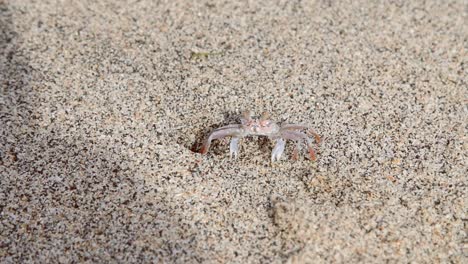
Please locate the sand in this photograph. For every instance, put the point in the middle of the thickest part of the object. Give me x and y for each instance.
(104, 102)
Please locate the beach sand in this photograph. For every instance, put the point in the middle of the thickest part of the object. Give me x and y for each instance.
(103, 105)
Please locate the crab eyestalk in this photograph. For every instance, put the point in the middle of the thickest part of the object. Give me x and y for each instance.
(247, 115)
(264, 116)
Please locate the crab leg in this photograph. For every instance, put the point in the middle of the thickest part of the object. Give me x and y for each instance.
(290, 127)
(296, 151)
(293, 127)
(295, 135)
(317, 137)
(312, 154)
(226, 131)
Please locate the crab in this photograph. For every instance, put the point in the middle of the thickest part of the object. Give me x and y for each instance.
(264, 127)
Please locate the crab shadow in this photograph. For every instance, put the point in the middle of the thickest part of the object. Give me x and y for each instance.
(53, 178)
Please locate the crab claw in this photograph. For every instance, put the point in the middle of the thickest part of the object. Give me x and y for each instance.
(278, 150)
(234, 148)
(222, 132)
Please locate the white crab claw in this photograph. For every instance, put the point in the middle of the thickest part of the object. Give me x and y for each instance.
(234, 148)
(278, 150)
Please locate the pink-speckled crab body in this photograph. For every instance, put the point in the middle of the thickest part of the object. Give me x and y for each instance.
(263, 127)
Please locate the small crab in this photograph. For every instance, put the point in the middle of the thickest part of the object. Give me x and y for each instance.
(263, 127)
